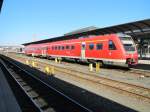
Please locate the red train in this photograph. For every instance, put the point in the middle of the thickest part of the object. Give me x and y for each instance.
(112, 49)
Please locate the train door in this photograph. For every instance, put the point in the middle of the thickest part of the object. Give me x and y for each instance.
(111, 51)
(83, 50)
(44, 51)
(149, 51)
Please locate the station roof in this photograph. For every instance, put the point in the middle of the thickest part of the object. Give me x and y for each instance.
(90, 28)
(1, 2)
(135, 29)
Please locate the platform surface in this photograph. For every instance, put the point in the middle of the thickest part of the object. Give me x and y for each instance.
(8, 101)
(143, 65)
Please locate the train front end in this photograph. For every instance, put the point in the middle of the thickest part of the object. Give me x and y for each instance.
(129, 46)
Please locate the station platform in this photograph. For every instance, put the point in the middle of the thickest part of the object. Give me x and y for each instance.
(143, 64)
(144, 61)
(8, 102)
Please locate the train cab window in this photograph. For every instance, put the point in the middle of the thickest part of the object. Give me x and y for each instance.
(72, 47)
(91, 46)
(111, 45)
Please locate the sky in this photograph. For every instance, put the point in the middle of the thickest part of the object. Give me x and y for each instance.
(24, 21)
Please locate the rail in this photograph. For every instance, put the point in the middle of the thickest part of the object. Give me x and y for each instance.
(43, 96)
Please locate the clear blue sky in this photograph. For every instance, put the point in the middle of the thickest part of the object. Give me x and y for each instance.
(27, 20)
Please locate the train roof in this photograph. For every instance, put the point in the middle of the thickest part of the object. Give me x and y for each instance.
(134, 29)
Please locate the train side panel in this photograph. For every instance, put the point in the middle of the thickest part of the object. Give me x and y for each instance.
(108, 48)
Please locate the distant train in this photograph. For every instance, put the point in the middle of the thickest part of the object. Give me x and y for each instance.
(112, 49)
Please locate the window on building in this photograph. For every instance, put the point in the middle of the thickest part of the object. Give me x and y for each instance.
(99, 46)
(91, 46)
(112, 45)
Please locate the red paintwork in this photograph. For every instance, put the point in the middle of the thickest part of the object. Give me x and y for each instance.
(104, 54)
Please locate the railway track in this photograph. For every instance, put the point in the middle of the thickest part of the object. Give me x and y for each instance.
(130, 89)
(142, 73)
(136, 91)
(133, 90)
(136, 72)
(41, 96)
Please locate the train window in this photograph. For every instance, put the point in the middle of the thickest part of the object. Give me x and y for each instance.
(67, 47)
(112, 45)
(91, 46)
(99, 46)
(52, 47)
(72, 47)
(83, 46)
(59, 47)
(44, 48)
(62, 47)
(55, 47)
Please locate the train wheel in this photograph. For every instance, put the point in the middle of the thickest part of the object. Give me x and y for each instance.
(102, 64)
(77, 60)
